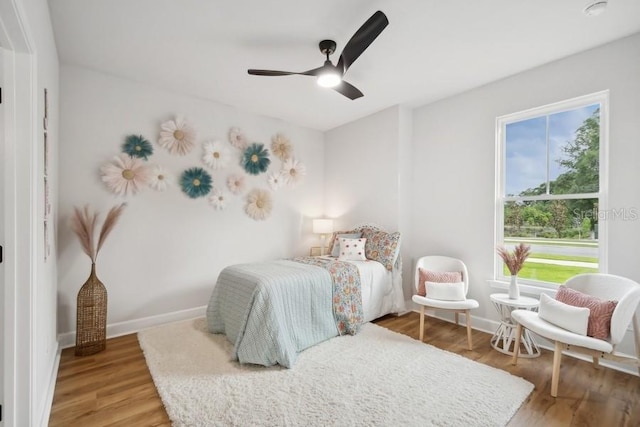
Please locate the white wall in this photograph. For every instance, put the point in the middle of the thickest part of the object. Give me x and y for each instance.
(166, 252)
(366, 163)
(454, 158)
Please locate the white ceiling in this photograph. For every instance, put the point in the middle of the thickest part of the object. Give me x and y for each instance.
(429, 51)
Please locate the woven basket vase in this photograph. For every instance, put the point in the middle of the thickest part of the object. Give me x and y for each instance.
(91, 323)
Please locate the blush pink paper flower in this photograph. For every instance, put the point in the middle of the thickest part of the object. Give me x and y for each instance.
(125, 175)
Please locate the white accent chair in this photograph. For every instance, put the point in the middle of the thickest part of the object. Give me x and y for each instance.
(604, 286)
(444, 264)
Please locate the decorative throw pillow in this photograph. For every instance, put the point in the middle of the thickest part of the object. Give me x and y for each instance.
(599, 325)
(574, 319)
(446, 291)
(352, 249)
(335, 251)
(437, 277)
(335, 243)
(382, 247)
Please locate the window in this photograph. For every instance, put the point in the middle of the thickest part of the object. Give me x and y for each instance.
(551, 188)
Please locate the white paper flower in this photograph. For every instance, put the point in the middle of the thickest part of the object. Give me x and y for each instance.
(177, 136)
(281, 147)
(125, 175)
(218, 199)
(216, 155)
(237, 138)
(258, 204)
(159, 178)
(293, 171)
(236, 184)
(275, 180)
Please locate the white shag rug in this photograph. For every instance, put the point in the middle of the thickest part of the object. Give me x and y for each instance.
(376, 378)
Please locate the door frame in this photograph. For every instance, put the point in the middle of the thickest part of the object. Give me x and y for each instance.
(20, 161)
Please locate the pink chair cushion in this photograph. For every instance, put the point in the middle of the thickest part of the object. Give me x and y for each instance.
(600, 311)
(436, 276)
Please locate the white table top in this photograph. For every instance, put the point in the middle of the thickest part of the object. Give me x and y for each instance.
(522, 302)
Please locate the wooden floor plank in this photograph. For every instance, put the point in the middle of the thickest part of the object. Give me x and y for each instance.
(115, 388)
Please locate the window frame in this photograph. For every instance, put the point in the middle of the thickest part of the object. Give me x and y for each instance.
(601, 98)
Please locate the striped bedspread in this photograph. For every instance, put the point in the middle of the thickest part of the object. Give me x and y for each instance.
(271, 311)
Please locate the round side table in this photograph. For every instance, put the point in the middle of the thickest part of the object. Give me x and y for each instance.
(505, 335)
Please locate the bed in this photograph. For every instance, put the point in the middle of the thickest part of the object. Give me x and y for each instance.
(271, 311)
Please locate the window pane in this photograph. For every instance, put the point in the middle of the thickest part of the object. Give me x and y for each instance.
(561, 151)
(574, 144)
(526, 155)
(563, 235)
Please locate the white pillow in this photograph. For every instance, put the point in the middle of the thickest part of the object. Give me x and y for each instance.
(574, 319)
(352, 249)
(445, 291)
(335, 252)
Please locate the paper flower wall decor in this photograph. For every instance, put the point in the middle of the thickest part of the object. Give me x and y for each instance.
(259, 204)
(237, 138)
(281, 147)
(125, 175)
(256, 159)
(218, 199)
(177, 136)
(275, 180)
(216, 154)
(293, 171)
(137, 146)
(236, 184)
(196, 182)
(159, 178)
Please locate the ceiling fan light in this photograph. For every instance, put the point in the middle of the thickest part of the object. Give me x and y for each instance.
(329, 79)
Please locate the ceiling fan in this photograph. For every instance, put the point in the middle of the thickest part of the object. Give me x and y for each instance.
(330, 75)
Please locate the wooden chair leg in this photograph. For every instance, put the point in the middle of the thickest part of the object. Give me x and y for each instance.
(467, 317)
(555, 375)
(516, 345)
(421, 322)
(636, 335)
(457, 321)
(596, 362)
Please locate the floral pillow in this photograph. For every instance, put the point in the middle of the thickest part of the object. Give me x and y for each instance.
(382, 246)
(351, 249)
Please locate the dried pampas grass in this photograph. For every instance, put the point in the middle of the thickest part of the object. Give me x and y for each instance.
(83, 224)
(514, 260)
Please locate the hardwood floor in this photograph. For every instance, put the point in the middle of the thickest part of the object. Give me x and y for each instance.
(114, 388)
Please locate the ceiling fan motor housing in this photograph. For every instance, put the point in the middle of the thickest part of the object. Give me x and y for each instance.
(327, 47)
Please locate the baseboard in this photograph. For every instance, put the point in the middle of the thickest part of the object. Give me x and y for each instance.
(51, 387)
(68, 339)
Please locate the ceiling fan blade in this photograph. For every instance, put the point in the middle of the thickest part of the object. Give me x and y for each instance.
(348, 90)
(270, 73)
(362, 39)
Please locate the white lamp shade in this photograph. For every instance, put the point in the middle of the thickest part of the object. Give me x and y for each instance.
(323, 226)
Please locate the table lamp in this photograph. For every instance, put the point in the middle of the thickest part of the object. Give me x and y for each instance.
(322, 227)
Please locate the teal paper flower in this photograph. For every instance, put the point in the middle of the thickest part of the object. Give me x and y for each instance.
(196, 182)
(137, 146)
(255, 159)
